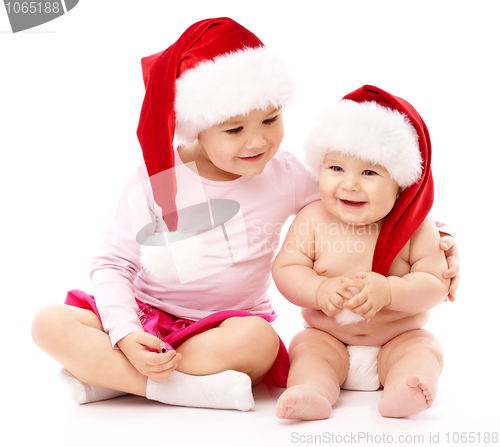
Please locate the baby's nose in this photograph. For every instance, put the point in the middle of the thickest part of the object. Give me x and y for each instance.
(350, 183)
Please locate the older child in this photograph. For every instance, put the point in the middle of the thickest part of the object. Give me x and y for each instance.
(364, 262)
(184, 262)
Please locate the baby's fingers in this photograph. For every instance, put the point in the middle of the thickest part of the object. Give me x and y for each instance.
(355, 283)
(331, 310)
(356, 301)
(366, 310)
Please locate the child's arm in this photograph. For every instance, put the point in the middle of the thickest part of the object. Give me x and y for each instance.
(448, 245)
(293, 270)
(117, 262)
(418, 291)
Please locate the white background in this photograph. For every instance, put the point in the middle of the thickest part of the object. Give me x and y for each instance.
(70, 97)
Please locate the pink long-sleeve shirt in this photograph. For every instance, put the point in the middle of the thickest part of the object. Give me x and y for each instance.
(223, 259)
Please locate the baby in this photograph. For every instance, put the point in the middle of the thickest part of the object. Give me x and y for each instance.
(364, 262)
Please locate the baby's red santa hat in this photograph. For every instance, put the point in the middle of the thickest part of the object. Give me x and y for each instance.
(381, 128)
(217, 69)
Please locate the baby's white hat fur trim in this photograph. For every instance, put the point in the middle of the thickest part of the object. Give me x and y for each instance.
(229, 85)
(371, 132)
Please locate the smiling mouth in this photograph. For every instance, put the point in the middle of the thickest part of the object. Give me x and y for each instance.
(352, 203)
(253, 157)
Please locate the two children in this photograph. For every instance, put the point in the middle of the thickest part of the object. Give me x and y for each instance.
(180, 309)
(363, 262)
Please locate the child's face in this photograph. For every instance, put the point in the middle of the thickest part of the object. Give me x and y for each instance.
(356, 191)
(242, 145)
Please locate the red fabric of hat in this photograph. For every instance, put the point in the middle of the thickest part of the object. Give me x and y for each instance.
(202, 41)
(414, 202)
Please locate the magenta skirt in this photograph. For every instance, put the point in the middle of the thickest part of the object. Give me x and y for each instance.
(174, 331)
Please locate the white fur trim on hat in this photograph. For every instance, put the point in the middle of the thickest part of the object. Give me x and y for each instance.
(232, 84)
(370, 132)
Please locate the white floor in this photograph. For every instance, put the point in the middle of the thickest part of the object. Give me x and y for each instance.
(132, 421)
(41, 412)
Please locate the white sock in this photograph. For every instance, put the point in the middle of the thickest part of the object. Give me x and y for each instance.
(83, 393)
(228, 390)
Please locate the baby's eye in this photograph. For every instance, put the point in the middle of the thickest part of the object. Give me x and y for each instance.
(369, 172)
(336, 169)
(235, 130)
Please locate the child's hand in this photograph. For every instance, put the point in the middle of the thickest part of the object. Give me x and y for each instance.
(331, 296)
(374, 293)
(156, 366)
(447, 244)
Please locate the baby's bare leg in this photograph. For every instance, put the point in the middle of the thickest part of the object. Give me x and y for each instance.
(319, 365)
(409, 368)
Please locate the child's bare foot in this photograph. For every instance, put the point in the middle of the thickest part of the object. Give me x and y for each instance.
(303, 402)
(409, 397)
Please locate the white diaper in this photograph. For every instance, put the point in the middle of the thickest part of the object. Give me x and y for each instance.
(363, 373)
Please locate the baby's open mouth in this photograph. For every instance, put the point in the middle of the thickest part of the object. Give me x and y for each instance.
(353, 203)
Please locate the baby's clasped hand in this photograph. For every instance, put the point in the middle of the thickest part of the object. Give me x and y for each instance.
(375, 294)
(332, 295)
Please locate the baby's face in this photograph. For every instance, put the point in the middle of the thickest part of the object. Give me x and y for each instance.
(243, 145)
(355, 191)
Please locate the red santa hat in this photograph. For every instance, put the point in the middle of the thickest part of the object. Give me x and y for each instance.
(381, 128)
(217, 69)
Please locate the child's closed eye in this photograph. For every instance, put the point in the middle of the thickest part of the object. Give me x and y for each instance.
(236, 130)
(271, 120)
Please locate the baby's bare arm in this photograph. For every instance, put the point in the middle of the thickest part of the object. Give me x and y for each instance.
(424, 287)
(293, 268)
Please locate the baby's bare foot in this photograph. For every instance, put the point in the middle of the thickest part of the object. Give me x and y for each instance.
(409, 397)
(303, 402)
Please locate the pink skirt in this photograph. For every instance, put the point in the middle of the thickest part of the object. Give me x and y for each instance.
(174, 331)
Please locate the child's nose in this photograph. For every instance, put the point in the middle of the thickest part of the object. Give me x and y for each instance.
(255, 140)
